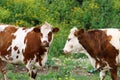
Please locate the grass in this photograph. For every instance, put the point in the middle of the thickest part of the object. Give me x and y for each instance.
(67, 68)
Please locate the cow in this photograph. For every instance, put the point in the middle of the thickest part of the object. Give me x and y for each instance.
(28, 46)
(102, 46)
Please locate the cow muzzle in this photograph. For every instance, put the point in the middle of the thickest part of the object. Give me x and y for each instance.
(64, 51)
(45, 44)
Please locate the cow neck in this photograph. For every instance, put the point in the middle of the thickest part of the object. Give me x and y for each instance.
(98, 46)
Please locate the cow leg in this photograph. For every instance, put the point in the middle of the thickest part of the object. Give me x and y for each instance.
(33, 74)
(113, 72)
(32, 71)
(3, 69)
(102, 74)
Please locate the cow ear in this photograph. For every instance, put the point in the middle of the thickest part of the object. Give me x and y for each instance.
(81, 30)
(78, 32)
(55, 30)
(36, 29)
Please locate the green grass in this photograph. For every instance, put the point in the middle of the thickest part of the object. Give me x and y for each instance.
(65, 71)
(17, 76)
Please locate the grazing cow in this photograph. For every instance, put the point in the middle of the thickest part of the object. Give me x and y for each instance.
(101, 46)
(27, 46)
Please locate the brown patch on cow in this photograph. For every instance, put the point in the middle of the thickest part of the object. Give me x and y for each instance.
(41, 53)
(22, 50)
(15, 48)
(10, 58)
(97, 44)
(109, 37)
(49, 36)
(76, 33)
(6, 38)
(36, 29)
(33, 47)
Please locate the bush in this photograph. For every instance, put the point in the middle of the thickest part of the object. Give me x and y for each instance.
(4, 14)
(62, 13)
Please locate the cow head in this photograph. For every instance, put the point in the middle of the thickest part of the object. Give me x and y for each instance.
(46, 34)
(72, 44)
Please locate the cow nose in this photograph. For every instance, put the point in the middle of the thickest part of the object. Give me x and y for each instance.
(65, 51)
(45, 44)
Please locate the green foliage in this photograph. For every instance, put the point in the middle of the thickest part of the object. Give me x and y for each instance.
(4, 14)
(64, 14)
(93, 13)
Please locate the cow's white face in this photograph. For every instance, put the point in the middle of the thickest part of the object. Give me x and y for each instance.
(72, 44)
(47, 36)
(47, 31)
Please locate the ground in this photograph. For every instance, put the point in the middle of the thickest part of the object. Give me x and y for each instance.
(57, 69)
(77, 70)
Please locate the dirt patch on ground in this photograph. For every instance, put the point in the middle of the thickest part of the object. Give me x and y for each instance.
(58, 66)
(80, 71)
(77, 70)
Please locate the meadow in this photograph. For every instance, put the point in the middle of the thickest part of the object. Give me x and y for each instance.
(65, 14)
(60, 68)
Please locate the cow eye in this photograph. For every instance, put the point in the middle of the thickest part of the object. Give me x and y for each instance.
(71, 46)
(69, 39)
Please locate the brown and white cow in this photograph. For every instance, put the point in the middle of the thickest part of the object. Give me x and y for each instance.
(101, 46)
(27, 46)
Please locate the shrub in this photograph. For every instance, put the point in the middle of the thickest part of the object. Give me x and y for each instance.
(4, 14)
(64, 14)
